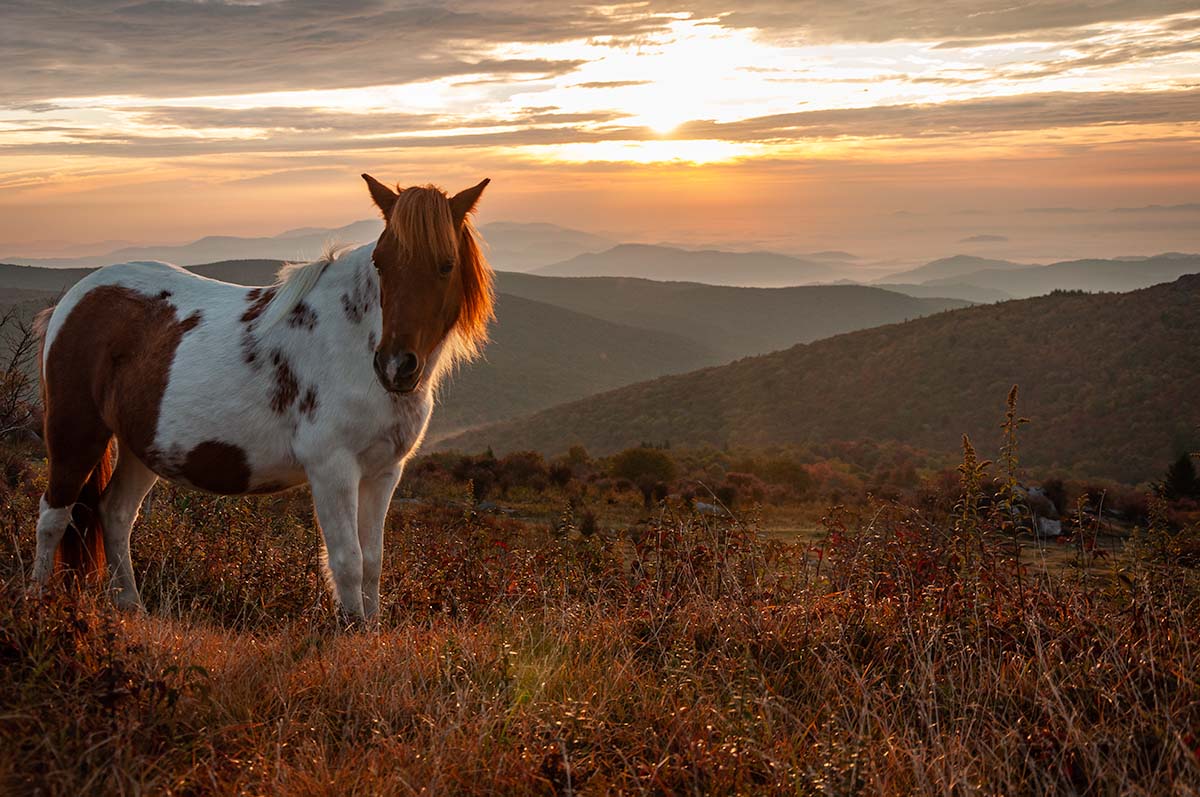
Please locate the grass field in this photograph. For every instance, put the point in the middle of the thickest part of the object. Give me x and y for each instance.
(899, 651)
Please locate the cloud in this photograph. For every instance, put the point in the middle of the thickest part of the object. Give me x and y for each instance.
(983, 239)
(55, 48)
(131, 145)
(611, 84)
(318, 120)
(191, 48)
(1061, 210)
(988, 114)
(1189, 207)
(887, 20)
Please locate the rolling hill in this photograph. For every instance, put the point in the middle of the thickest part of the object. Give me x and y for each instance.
(665, 263)
(948, 290)
(1088, 275)
(1109, 380)
(527, 247)
(541, 355)
(734, 322)
(951, 269)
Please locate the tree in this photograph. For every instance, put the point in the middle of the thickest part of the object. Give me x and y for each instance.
(648, 468)
(18, 389)
(643, 464)
(1180, 480)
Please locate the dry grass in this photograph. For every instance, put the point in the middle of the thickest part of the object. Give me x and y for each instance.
(897, 656)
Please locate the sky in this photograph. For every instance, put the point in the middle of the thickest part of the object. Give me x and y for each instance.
(894, 129)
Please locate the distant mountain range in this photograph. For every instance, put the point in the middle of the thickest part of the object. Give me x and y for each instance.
(665, 263)
(551, 250)
(298, 244)
(518, 247)
(953, 269)
(734, 322)
(1089, 275)
(978, 279)
(527, 247)
(1109, 380)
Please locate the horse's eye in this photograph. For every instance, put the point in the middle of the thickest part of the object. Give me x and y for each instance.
(445, 268)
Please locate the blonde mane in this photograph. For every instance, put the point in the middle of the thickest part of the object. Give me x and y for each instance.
(294, 281)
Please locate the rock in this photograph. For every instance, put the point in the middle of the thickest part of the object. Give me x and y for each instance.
(1048, 528)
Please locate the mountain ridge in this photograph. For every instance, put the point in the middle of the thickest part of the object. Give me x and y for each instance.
(756, 269)
(1106, 399)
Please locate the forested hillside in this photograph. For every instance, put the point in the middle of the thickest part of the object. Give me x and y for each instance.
(1110, 382)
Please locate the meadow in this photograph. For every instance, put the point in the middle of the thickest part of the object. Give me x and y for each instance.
(902, 649)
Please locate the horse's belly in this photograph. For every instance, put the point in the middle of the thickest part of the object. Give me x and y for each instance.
(223, 468)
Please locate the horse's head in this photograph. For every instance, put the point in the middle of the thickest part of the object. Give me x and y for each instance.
(435, 286)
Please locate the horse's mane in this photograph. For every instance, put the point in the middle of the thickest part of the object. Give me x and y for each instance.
(421, 216)
(479, 297)
(294, 281)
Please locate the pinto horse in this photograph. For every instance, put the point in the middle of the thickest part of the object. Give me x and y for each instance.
(325, 378)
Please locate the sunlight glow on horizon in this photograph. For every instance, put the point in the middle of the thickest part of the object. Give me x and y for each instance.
(693, 151)
(695, 70)
(698, 103)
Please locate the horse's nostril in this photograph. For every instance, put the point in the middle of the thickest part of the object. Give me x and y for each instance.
(407, 364)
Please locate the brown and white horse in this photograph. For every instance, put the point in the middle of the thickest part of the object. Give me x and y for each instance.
(325, 378)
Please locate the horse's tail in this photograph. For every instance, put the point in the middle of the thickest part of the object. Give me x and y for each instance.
(82, 550)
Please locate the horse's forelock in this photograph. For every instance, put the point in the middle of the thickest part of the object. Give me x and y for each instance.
(422, 217)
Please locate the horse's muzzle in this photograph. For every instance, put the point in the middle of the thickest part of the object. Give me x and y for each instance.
(399, 373)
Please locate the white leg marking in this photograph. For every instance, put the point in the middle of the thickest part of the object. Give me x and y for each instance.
(334, 485)
(118, 510)
(374, 497)
(52, 525)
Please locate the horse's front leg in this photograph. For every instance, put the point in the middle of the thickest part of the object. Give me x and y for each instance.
(334, 483)
(374, 497)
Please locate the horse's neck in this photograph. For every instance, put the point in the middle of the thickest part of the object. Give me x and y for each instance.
(349, 267)
(350, 285)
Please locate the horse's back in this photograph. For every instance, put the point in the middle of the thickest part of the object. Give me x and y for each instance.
(114, 339)
(139, 282)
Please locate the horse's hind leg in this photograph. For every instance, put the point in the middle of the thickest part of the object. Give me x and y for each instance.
(51, 526)
(75, 446)
(119, 507)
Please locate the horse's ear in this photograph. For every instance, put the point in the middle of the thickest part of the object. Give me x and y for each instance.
(384, 197)
(464, 201)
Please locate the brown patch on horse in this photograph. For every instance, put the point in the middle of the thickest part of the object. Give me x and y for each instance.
(308, 404)
(106, 372)
(360, 299)
(286, 388)
(435, 284)
(259, 298)
(302, 317)
(217, 467)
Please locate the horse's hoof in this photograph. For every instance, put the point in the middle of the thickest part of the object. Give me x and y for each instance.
(132, 606)
(35, 591)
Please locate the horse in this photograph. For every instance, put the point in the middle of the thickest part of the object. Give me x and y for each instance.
(327, 377)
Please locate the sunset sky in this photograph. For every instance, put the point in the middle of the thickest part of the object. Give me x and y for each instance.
(902, 129)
